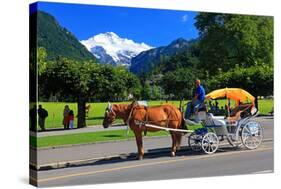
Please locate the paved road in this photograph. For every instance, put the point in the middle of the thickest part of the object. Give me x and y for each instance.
(185, 165)
(160, 166)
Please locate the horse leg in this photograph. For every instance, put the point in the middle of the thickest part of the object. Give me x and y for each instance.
(173, 150)
(138, 136)
(178, 137)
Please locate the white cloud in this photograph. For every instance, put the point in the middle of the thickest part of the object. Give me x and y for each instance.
(184, 18)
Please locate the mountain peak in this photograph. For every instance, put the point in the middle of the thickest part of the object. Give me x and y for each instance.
(180, 40)
(121, 50)
(112, 34)
(148, 59)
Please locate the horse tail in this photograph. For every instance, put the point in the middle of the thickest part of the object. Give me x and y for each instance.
(178, 136)
(182, 125)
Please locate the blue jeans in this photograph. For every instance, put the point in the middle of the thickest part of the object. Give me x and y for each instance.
(191, 108)
(188, 110)
(198, 104)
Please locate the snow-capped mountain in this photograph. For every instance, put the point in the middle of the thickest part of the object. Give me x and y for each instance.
(109, 48)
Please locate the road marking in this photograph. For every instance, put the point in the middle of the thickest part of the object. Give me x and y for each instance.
(144, 164)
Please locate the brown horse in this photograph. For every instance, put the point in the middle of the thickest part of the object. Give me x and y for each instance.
(137, 115)
(115, 111)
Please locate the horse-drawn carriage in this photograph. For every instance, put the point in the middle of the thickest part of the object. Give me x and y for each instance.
(238, 126)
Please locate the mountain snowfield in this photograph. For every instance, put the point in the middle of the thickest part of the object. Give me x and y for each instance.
(110, 48)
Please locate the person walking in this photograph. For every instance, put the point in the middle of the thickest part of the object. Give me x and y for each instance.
(32, 118)
(71, 119)
(65, 120)
(43, 114)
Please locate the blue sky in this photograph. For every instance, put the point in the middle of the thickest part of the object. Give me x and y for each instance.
(154, 27)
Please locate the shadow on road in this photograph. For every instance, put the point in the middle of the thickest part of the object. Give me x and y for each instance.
(151, 154)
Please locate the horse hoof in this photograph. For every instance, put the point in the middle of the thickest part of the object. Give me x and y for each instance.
(139, 157)
(173, 154)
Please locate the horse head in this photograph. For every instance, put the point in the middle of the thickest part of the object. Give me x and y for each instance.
(109, 116)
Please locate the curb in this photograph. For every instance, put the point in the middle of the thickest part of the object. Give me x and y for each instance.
(124, 156)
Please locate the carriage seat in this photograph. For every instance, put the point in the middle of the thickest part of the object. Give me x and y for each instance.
(214, 120)
(241, 108)
(198, 118)
(241, 112)
(235, 117)
(201, 115)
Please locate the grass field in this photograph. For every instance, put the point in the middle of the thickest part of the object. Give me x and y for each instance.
(95, 117)
(96, 113)
(82, 138)
(92, 137)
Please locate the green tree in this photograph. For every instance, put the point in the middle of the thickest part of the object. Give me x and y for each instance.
(41, 59)
(80, 81)
(68, 78)
(228, 39)
(179, 83)
(257, 80)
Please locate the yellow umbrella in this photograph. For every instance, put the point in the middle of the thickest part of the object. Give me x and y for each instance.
(239, 95)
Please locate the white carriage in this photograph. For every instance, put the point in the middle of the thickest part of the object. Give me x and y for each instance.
(238, 127)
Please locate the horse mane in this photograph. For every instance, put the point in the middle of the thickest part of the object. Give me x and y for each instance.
(121, 110)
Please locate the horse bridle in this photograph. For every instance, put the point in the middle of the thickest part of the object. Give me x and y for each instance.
(109, 109)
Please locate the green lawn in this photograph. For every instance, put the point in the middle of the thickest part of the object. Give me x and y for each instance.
(82, 138)
(95, 117)
(55, 109)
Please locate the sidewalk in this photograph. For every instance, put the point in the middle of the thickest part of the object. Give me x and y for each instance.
(55, 132)
(97, 151)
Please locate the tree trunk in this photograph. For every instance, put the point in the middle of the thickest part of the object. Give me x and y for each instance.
(81, 122)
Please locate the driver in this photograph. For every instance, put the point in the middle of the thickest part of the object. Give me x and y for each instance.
(199, 96)
(197, 101)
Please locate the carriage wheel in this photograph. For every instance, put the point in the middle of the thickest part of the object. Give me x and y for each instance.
(252, 135)
(235, 143)
(194, 141)
(210, 143)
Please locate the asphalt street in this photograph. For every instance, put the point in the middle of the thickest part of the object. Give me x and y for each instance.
(159, 166)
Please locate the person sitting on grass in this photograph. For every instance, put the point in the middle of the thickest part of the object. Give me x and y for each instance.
(71, 119)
